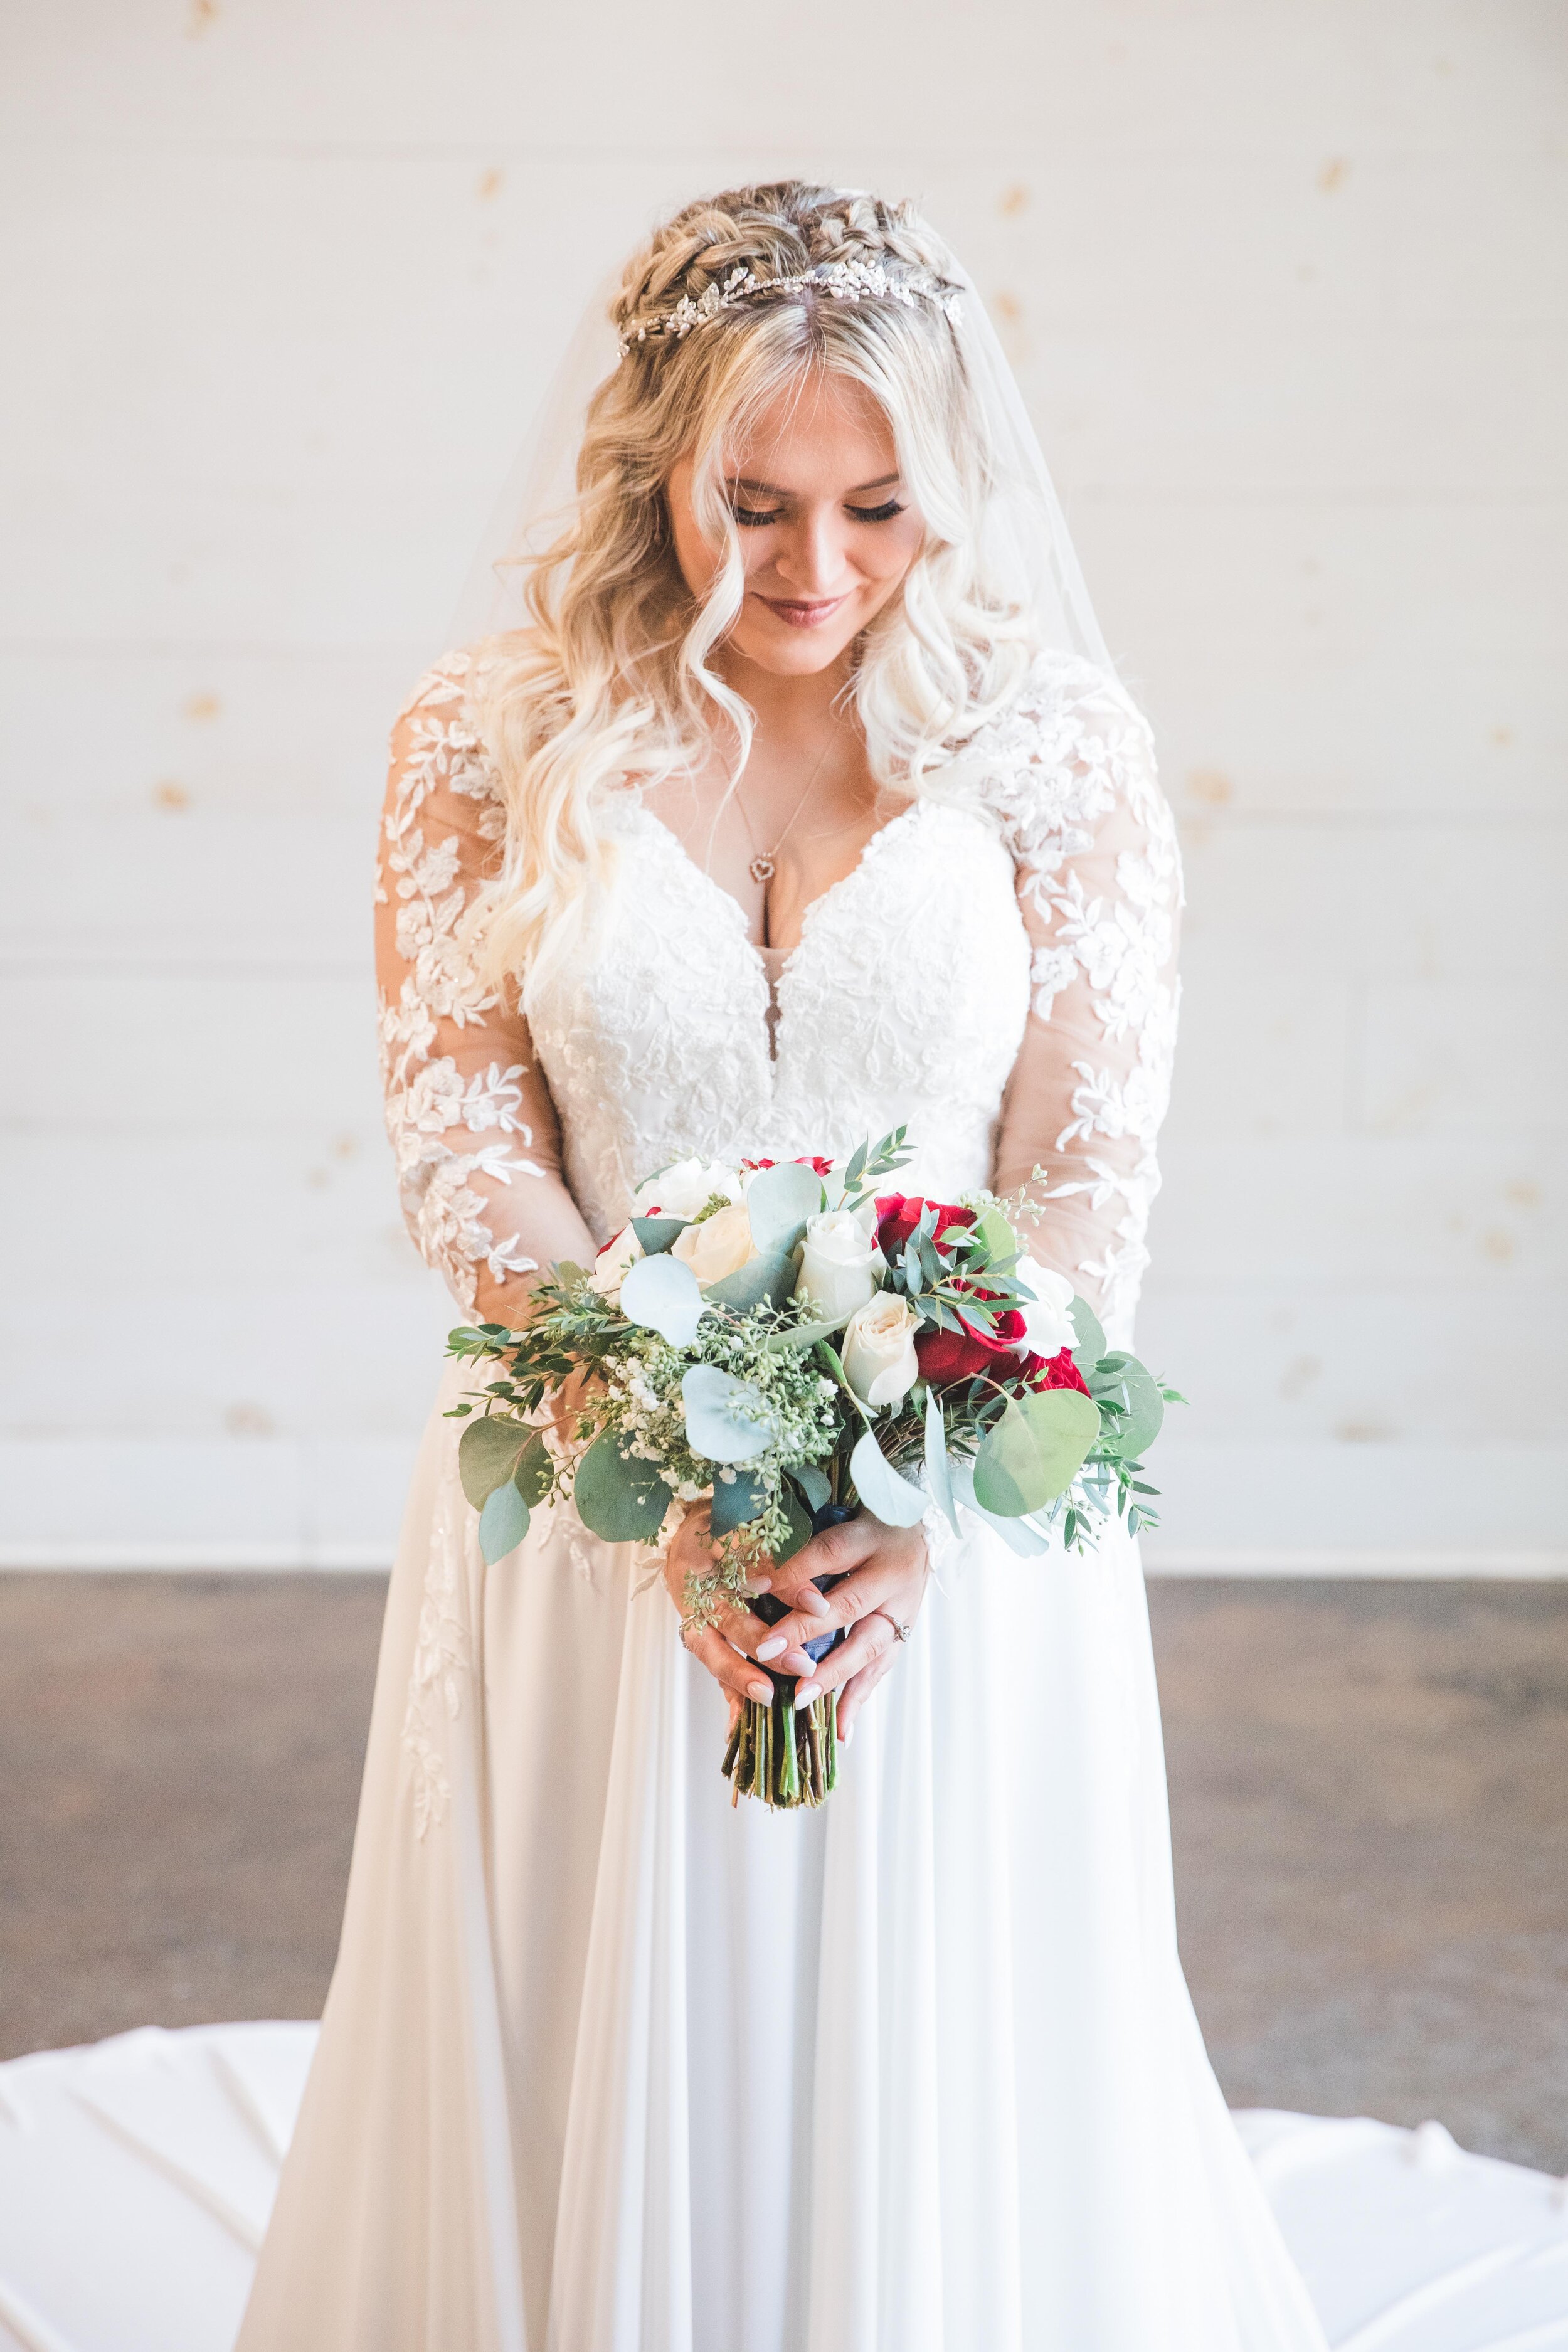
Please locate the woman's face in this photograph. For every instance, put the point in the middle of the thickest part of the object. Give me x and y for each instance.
(826, 526)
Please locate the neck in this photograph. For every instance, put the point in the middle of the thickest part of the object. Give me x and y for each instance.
(788, 709)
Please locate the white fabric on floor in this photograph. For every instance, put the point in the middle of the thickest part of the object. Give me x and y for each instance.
(136, 2178)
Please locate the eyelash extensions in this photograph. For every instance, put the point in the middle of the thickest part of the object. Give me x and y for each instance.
(751, 519)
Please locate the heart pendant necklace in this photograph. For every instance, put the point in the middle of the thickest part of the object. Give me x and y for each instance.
(763, 864)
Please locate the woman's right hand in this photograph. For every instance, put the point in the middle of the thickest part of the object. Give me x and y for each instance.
(728, 1647)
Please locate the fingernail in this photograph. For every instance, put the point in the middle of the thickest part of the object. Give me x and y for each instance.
(769, 1648)
(847, 1735)
(763, 1693)
(759, 1584)
(811, 1600)
(806, 1692)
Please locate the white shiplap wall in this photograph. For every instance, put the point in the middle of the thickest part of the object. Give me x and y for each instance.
(1286, 288)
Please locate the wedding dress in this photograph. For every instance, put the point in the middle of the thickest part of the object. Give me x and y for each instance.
(609, 2065)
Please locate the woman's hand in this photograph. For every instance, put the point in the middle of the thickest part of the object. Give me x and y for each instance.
(884, 1570)
(719, 1646)
(883, 1589)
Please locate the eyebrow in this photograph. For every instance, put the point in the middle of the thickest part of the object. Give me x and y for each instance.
(772, 490)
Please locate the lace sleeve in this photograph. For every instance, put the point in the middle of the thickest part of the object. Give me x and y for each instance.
(472, 1126)
(1099, 887)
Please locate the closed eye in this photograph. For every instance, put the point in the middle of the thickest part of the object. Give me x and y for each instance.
(875, 514)
(753, 519)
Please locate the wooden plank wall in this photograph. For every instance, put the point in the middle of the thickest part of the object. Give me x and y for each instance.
(1286, 287)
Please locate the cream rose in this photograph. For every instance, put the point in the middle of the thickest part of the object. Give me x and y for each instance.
(839, 1268)
(879, 1351)
(621, 1250)
(720, 1245)
(1047, 1326)
(689, 1186)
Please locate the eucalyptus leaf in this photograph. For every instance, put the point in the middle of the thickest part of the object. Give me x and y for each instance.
(812, 1485)
(1145, 1412)
(778, 1203)
(997, 1235)
(661, 1294)
(939, 1477)
(1090, 1345)
(737, 1500)
(503, 1523)
(800, 1527)
(761, 1281)
(535, 1474)
(884, 1491)
(618, 1497)
(1019, 1535)
(803, 1335)
(487, 1453)
(1034, 1451)
(722, 1422)
(568, 1274)
(656, 1233)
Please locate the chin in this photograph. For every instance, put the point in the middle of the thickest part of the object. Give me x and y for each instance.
(793, 653)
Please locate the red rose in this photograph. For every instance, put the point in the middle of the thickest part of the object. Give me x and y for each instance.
(898, 1214)
(805, 1159)
(948, 1356)
(1054, 1372)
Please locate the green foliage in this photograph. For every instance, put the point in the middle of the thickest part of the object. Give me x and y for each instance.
(1034, 1451)
(766, 1282)
(1090, 1338)
(1131, 1400)
(657, 1234)
(488, 1452)
(778, 1203)
(503, 1523)
(618, 1497)
(737, 1499)
(797, 1519)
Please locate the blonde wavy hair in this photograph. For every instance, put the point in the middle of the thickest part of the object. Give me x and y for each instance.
(611, 684)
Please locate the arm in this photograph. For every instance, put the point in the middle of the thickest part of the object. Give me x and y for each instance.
(468, 1110)
(1100, 889)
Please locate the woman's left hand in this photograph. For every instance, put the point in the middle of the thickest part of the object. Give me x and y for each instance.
(883, 1589)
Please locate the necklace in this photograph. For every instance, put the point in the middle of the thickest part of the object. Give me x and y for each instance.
(764, 863)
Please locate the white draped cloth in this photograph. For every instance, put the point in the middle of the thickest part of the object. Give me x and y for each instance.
(136, 2178)
(609, 2065)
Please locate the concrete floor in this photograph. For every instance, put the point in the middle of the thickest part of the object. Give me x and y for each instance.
(1369, 1794)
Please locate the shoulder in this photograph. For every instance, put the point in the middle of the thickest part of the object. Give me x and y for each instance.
(436, 741)
(1061, 754)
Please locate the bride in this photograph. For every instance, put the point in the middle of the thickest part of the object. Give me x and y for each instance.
(802, 802)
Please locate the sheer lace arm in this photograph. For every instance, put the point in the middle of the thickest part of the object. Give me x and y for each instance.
(467, 1109)
(1099, 889)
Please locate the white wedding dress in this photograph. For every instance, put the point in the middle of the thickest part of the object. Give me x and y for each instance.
(609, 2065)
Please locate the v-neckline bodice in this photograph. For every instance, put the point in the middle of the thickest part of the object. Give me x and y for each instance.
(772, 961)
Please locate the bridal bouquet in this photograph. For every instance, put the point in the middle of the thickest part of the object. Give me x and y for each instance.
(797, 1342)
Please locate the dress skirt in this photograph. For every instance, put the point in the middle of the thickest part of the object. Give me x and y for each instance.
(611, 2065)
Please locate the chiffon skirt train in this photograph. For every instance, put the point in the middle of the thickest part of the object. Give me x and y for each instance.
(609, 2065)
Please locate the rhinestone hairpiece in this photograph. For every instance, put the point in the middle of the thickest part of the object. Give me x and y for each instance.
(844, 281)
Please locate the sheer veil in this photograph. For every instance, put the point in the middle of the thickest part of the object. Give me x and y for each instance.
(1027, 542)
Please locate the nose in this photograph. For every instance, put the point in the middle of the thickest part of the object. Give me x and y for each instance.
(810, 558)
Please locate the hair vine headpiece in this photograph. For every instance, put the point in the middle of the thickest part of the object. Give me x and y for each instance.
(843, 281)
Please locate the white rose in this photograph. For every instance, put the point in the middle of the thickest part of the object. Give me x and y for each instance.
(621, 1250)
(839, 1268)
(1047, 1326)
(878, 1353)
(681, 1189)
(720, 1245)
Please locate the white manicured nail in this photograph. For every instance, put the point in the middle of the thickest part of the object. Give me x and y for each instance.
(847, 1735)
(814, 1602)
(763, 1693)
(806, 1692)
(769, 1648)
